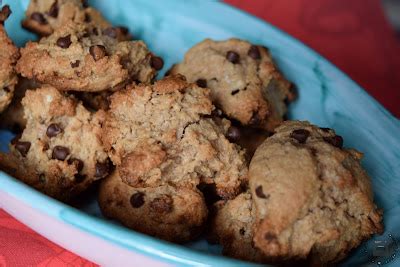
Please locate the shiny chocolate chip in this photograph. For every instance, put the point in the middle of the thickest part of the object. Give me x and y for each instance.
(39, 18)
(75, 64)
(97, 52)
(157, 62)
(336, 141)
(254, 53)
(60, 152)
(201, 83)
(64, 42)
(53, 130)
(233, 57)
(23, 147)
(260, 193)
(300, 135)
(53, 11)
(102, 169)
(233, 134)
(137, 200)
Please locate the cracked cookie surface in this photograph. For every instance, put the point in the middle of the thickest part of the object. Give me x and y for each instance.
(312, 197)
(59, 152)
(243, 79)
(77, 58)
(8, 57)
(159, 134)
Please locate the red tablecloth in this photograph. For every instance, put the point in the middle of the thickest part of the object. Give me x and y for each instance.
(354, 35)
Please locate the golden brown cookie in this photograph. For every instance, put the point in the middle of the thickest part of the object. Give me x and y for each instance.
(243, 79)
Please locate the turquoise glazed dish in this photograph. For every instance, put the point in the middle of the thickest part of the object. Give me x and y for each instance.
(328, 98)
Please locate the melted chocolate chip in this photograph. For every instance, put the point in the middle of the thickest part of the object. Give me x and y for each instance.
(102, 169)
(53, 11)
(260, 193)
(233, 134)
(53, 130)
(110, 32)
(64, 42)
(269, 237)
(77, 162)
(234, 92)
(75, 64)
(163, 204)
(97, 52)
(201, 83)
(23, 147)
(137, 200)
(253, 52)
(300, 135)
(233, 57)
(39, 18)
(157, 62)
(60, 152)
(336, 141)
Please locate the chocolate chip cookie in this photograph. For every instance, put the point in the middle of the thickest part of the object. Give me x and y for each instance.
(8, 57)
(59, 152)
(45, 16)
(77, 58)
(176, 214)
(243, 79)
(160, 134)
(312, 197)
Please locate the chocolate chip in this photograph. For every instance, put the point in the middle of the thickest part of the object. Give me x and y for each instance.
(234, 92)
(157, 62)
(163, 204)
(123, 29)
(254, 53)
(217, 112)
(53, 11)
(79, 177)
(64, 42)
(53, 130)
(137, 200)
(75, 64)
(77, 162)
(39, 18)
(110, 32)
(23, 147)
(85, 4)
(87, 18)
(300, 135)
(15, 139)
(97, 52)
(242, 231)
(201, 83)
(4, 13)
(336, 141)
(260, 193)
(327, 130)
(60, 152)
(255, 119)
(95, 31)
(6, 89)
(102, 169)
(269, 237)
(233, 134)
(233, 57)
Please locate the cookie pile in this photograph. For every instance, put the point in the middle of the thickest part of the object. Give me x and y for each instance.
(173, 158)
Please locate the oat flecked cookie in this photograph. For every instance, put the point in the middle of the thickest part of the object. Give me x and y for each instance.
(77, 58)
(159, 134)
(8, 57)
(311, 196)
(45, 16)
(59, 152)
(172, 213)
(243, 79)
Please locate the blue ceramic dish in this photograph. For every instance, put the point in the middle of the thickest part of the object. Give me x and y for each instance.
(327, 98)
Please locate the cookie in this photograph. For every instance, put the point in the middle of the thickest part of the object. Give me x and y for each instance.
(232, 227)
(77, 58)
(160, 134)
(46, 16)
(244, 81)
(312, 197)
(13, 117)
(176, 214)
(8, 57)
(59, 152)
